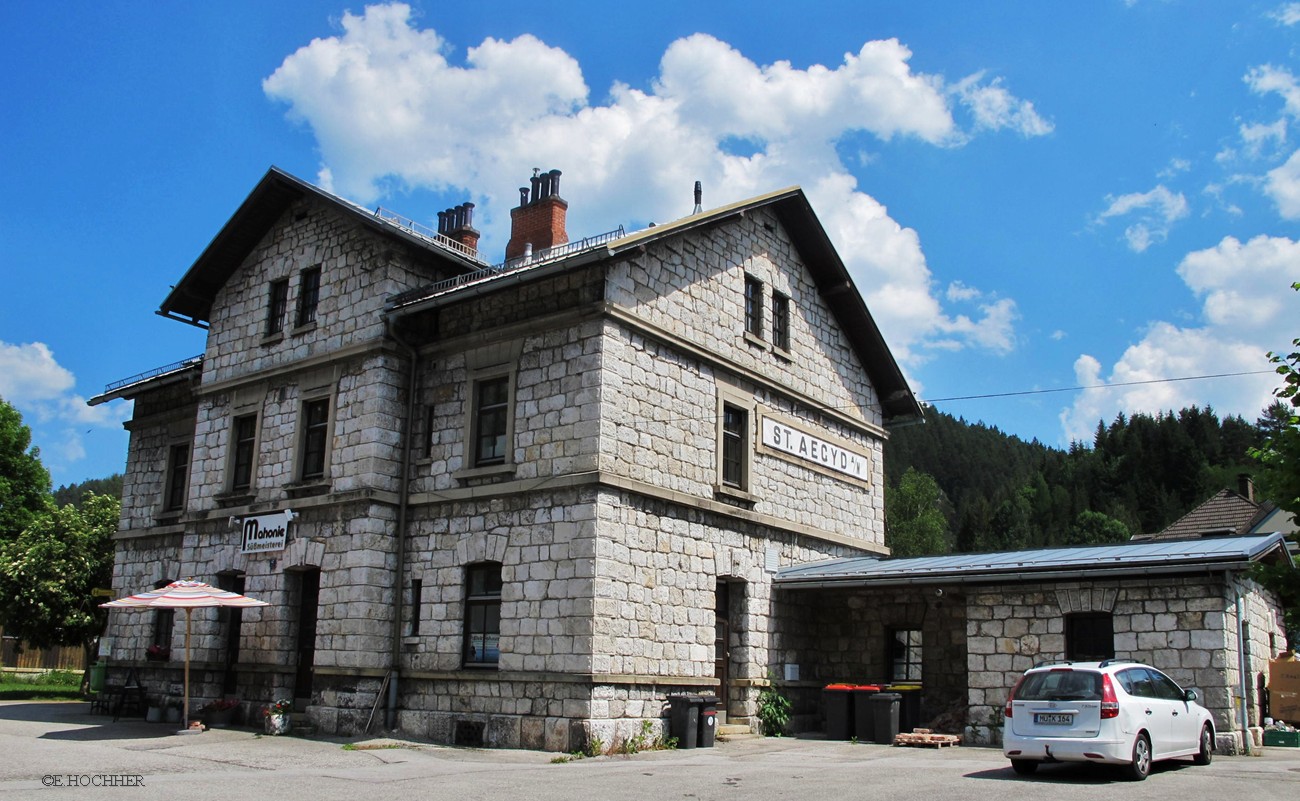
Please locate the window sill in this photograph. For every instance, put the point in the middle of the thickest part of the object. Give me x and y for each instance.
(734, 495)
(168, 516)
(782, 354)
(481, 666)
(299, 330)
(483, 472)
(757, 342)
(273, 339)
(225, 500)
(307, 489)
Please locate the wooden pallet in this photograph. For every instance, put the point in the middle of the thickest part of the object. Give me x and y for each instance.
(924, 738)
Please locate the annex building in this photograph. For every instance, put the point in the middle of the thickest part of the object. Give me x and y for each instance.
(515, 503)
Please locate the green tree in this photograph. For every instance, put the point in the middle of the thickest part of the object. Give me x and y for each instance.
(48, 571)
(1095, 528)
(1279, 476)
(914, 523)
(24, 482)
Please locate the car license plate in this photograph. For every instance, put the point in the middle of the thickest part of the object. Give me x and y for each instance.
(1053, 719)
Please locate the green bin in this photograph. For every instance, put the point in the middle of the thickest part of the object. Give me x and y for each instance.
(98, 674)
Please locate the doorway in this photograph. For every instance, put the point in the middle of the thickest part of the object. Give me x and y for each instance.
(231, 620)
(722, 647)
(308, 603)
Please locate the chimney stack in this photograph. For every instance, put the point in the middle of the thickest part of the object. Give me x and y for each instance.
(457, 224)
(1246, 486)
(538, 222)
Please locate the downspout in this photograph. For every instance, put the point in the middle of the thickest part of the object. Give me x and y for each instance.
(1242, 667)
(403, 496)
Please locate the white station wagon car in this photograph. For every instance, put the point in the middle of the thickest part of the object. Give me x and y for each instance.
(1113, 712)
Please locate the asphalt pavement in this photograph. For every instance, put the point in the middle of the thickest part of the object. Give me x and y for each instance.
(51, 750)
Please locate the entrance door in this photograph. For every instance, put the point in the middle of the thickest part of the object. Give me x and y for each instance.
(232, 619)
(308, 600)
(722, 647)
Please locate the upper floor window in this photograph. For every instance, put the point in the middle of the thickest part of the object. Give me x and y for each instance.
(316, 421)
(753, 306)
(735, 435)
(178, 470)
(491, 420)
(308, 296)
(244, 441)
(780, 321)
(276, 306)
(483, 614)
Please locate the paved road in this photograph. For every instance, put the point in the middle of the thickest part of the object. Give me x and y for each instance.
(39, 740)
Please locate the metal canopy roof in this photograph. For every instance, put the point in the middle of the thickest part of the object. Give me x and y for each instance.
(1137, 558)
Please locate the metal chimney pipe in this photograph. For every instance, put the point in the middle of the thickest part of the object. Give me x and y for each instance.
(468, 220)
(537, 187)
(523, 196)
(442, 222)
(699, 197)
(555, 182)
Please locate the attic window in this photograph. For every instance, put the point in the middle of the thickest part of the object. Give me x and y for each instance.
(308, 296)
(277, 304)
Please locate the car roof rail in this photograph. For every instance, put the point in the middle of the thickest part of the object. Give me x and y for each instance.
(1109, 662)
(1054, 662)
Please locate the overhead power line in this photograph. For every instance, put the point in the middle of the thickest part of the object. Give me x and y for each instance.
(1095, 386)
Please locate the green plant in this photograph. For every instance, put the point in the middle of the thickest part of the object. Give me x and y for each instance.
(595, 747)
(773, 711)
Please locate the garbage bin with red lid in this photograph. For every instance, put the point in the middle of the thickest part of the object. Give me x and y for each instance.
(863, 721)
(838, 700)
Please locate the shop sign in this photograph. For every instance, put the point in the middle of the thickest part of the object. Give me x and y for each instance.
(266, 533)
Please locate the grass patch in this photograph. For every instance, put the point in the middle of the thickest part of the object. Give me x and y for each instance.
(53, 685)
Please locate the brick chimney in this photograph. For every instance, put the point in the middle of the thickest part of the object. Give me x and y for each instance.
(457, 224)
(539, 220)
(1246, 486)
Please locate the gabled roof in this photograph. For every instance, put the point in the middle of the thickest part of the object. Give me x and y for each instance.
(191, 299)
(1225, 514)
(794, 211)
(1096, 561)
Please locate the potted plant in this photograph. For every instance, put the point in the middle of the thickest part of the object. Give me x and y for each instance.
(219, 713)
(276, 716)
(157, 653)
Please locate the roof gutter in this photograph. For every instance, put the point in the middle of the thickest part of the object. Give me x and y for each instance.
(1019, 576)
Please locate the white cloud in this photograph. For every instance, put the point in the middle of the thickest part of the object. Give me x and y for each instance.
(1156, 211)
(34, 383)
(1283, 186)
(1247, 308)
(994, 108)
(1270, 78)
(1257, 136)
(1175, 167)
(390, 111)
(1288, 14)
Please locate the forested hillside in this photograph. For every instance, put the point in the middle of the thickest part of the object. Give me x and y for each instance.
(1141, 472)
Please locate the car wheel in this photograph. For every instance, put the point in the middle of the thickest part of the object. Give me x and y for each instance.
(1025, 767)
(1140, 767)
(1206, 753)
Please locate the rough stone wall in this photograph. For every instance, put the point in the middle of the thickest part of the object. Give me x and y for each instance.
(364, 447)
(360, 270)
(160, 419)
(545, 542)
(659, 425)
(693, 286)
(1186, 627)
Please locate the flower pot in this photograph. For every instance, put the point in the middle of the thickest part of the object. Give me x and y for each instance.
(277, 724)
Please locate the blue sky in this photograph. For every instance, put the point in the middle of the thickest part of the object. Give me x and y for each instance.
(1031, 196)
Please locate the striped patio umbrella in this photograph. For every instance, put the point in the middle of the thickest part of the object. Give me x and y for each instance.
(186, 594)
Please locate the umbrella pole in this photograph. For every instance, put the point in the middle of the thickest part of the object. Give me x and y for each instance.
(187, 669)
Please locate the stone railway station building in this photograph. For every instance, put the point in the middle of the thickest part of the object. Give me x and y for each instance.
(516, 505)
(521, 504)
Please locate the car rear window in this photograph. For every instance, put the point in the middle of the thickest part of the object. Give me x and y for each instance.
(1060, 685)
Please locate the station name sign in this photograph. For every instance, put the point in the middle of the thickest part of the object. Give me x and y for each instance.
(265, 533)
(786, 440)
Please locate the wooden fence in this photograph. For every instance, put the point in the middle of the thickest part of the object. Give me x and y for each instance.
(67, 657)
